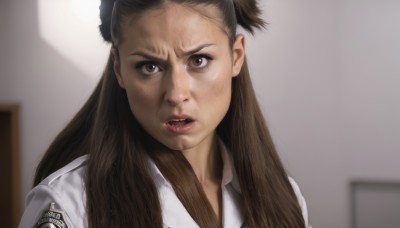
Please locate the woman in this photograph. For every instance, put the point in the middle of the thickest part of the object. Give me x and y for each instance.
(172, 136)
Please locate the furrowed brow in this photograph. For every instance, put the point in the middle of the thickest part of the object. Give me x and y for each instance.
(197, 49)
(153, 57)
(147, 56)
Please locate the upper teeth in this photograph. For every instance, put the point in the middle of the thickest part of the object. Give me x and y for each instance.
(178, 119)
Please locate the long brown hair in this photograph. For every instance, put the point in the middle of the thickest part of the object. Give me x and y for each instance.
(119, 187)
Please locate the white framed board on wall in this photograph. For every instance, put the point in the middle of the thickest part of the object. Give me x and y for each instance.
(375, 204)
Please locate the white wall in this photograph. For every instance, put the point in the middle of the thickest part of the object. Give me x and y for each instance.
(326, 73)
(49, 88)
(370, 87)
(329, 82)
(295, 68)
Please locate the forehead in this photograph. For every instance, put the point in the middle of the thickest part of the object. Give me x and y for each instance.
(174, 25)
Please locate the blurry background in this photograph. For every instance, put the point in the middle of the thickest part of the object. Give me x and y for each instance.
(327, 74)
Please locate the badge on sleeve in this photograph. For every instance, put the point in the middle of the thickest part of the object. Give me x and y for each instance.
(52, 218)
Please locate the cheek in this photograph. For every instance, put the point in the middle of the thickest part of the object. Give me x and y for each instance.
(141, 100)
(218, 92)
(221, 84)
(140, 93)
(221, 89)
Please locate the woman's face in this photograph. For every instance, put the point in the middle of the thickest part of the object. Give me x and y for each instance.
(176, 66)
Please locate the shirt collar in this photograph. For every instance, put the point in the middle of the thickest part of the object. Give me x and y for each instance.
(229, 174)
(175, 214)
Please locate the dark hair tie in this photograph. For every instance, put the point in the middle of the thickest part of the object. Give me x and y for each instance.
(106, 8)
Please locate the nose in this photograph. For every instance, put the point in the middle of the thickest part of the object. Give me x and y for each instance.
(177, 87)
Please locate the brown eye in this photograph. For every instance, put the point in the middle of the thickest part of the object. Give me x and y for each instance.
(198, 61)
(148, 68)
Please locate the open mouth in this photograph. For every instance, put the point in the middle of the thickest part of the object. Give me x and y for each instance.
(179, 122)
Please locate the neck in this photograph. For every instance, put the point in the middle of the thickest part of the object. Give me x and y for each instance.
(206, 160)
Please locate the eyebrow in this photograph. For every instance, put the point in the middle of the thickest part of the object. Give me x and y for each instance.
(154, 57)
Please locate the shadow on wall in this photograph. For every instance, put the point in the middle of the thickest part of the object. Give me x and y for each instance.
(75, 34)
(48, 86)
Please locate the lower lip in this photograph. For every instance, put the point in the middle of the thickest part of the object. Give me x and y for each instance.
(180, 128)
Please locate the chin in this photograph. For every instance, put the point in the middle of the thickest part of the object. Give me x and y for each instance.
(178, 144)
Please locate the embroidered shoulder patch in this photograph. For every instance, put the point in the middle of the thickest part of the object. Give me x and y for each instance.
(52, 218)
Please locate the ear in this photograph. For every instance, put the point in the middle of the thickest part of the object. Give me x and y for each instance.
(117, 67)
(238, 55)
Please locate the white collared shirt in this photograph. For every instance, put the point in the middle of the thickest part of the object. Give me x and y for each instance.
(65, 188)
